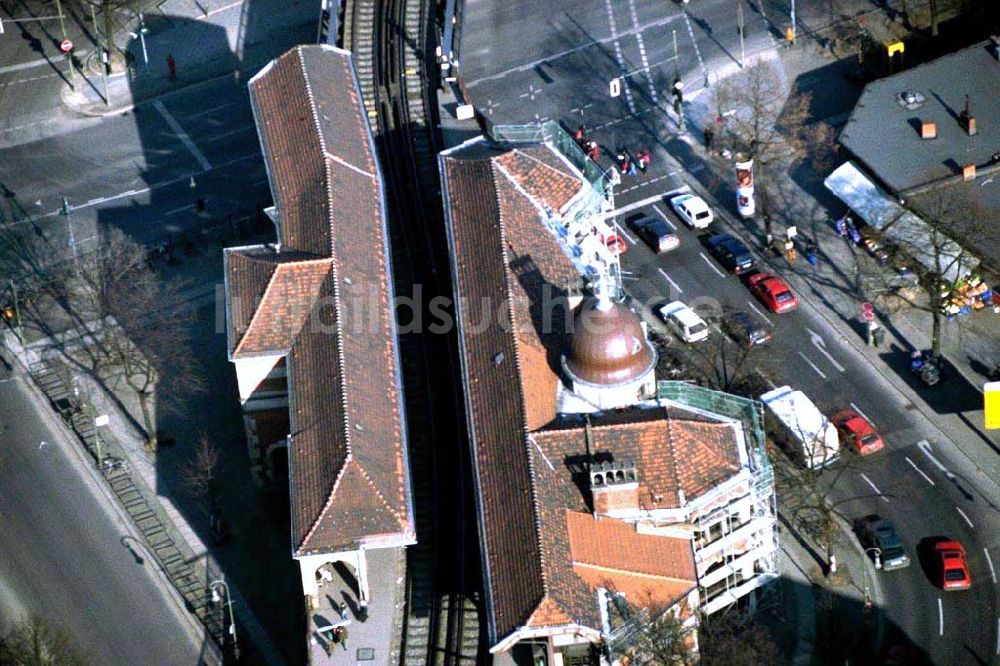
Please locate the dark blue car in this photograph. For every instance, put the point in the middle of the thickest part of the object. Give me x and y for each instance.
(734, 256)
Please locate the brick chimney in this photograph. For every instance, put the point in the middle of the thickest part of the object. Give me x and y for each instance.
(928, 129)
(614, 487)
(968, 120)
(969, 172)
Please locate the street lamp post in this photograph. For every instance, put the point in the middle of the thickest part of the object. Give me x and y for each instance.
(878, 556)
(216, 598)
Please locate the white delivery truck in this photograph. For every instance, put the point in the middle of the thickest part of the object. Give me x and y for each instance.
(804, 425)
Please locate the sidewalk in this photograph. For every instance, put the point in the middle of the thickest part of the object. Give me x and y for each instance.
(206, 40)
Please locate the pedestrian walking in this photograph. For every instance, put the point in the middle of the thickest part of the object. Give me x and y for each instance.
(343, 610)
(172, 67)
(709, 134)
(579, 134)
(593, 150)
(643, 158)
(342, 637)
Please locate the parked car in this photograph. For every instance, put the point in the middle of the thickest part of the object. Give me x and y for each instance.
(954, 568)
(684, 321)
(656, 234)
(772, 291)
(746, 330)
(693, 210)
(876, 532)
(857, 432)
(616, 244)
(734, 256)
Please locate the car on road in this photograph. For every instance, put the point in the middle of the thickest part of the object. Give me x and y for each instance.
(656, 234)
(746, 330)
(954, 568)
(692, 210)
(876, 532)
(684, 321)
(729, 251)
(616, 245)
(857, 432)
(772, 291)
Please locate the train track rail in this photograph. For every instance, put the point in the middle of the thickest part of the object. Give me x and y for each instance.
(392, 45)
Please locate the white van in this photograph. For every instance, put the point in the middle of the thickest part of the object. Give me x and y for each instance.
(804, 425)
(684, 321)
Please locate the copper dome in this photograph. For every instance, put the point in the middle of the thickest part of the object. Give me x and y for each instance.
(608, 345)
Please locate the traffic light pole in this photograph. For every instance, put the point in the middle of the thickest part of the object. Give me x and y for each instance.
(104, 57)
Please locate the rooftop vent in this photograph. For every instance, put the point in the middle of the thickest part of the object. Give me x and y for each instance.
(968, 120)
(928, 129)
(969, 172)
(910, 99)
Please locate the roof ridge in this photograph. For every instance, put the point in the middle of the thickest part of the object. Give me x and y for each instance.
(520, 152)
(329, 499)
(672, 446)
(312, 100)
(277, 267)
(632, 572)
(378, 493)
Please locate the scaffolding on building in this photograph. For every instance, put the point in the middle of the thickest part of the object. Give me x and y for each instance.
(762, 495)
(583, 226)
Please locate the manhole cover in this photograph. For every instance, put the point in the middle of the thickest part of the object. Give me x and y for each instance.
(366, 654)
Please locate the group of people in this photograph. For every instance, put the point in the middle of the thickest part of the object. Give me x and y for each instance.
(627, 163)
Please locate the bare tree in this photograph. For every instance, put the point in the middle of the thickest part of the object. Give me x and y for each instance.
(199, 473)
(659, 636)
(929, 249)
(35, 642)
(141, 322)
(770, 123)
(732, 639)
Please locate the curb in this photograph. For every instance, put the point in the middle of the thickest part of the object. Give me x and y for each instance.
(110, 504)
(96, 109)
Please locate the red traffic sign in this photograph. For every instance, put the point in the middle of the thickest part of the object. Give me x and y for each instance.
(65, 46)
(867, 307)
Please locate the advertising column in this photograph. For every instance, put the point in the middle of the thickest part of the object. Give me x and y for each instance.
(744, 188)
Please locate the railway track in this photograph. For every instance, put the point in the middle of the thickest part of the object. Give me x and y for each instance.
(392, 45)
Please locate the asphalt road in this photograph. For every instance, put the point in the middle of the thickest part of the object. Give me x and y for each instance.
(523, 62)
(917, 481)
(63, 553)
(134, 171)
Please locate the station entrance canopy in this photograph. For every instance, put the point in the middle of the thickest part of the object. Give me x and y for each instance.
(880, 210)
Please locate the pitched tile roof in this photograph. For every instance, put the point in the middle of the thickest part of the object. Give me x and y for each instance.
(542, 174)
(505, 262)
(494, 404)
(670, 454)
(323, 298)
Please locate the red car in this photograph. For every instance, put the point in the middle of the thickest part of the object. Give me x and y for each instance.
(616, 244)
(954, 568)
(772, 291)
(856, 431)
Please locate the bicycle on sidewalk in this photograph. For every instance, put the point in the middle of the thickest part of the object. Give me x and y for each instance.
(110, 464)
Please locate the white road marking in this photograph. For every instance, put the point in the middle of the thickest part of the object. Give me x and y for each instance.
(962, 513)
(940, 618)
(697, 51)
(998, 635)
(861, 413)
(766, 379)
(874, 487)
(642, 51)
(925, 446)
(812, 365)
(213, 109)
(820, 345)
(241, 130)
(665, 218)
(645, 202)
(711, 265)
(175, 211)
(182, 135)
(919, 471)
(624, 233)
(989, 561)
(757, 310)
(618, 56)
(25, 65)
(672, 283)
